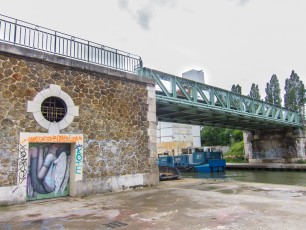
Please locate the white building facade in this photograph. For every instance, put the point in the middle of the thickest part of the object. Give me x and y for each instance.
(174, 136)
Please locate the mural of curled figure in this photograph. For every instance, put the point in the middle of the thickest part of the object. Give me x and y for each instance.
(49, 171)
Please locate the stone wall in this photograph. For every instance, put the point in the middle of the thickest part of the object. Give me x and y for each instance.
(117, 114)
(275, 146)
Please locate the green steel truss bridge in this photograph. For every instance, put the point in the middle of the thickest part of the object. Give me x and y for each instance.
(184, 101)
(178, 100)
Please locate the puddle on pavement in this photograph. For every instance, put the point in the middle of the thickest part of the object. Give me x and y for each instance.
(209, 188)
(229, 191)
(34, 215)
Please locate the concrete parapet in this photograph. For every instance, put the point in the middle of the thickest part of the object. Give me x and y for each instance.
(116, 183)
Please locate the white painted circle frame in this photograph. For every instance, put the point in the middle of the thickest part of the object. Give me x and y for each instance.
(35, 108)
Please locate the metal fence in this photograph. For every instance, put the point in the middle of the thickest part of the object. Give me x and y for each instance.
(35, 37)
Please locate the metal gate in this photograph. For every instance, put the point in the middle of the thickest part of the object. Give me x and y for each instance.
(48, 172)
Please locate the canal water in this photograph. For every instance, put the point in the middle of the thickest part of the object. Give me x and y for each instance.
(259, 176)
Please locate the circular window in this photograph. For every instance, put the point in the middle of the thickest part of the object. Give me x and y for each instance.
(53, 109)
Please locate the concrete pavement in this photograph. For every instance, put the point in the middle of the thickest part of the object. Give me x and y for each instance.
(182, 204)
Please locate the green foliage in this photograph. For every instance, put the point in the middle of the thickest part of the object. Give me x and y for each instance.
(273, 91)
(301, 161)
(237, 136)
(236, 153)
(236, 88)
(236, 159)
(212, 136)
(294, 96)
(236, 149)
(254, 93)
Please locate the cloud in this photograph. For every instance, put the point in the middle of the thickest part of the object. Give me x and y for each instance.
(123, 4)
(243, 2)
(143, 18)
(240, 2)
(143, 11)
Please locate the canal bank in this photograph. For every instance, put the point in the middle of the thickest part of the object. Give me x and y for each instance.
(266, 166)
(181, 204)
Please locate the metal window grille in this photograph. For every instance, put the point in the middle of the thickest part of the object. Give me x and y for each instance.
(53, 109)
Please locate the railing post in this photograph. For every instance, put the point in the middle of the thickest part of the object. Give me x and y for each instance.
(15, 31)
(140, 63)
(55, 42)
(117, 60)
(88, 51)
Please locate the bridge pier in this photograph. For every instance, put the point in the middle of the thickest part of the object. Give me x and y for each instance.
(286, 145)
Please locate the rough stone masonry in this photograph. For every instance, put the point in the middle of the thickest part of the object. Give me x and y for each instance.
(117, 116)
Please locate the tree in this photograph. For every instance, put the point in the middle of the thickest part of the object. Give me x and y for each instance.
(294, 93)
(212, 136)
(254, 93)
(273, 91)
(236, 88)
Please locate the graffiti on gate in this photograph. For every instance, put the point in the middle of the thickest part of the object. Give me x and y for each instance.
(48, 173)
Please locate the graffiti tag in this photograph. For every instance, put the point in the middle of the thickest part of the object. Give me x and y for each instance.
(22, 165)
(56, 139)
(78, 159)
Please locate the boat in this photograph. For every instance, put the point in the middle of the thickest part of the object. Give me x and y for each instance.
(195, 160)
(168, 173)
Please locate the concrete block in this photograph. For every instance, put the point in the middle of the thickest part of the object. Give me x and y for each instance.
(151, 94)
(63, 95)
(39, 98)
(126, 181)
(54, 128)
(69, 102)
(63, 124)
(151, 179)
(45, 94)
(153, 149)
(152, 108)
(152, 125)
(151, 88)
(73, 110)
(68, 118)
(151, 116)
(152, 139)
(33, 107)
(152, 132)
(41, 120)
(151, 101)
(55, 90)
(88, 187)
(12, 195)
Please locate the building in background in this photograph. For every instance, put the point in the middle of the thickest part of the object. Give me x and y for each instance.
(174, 136)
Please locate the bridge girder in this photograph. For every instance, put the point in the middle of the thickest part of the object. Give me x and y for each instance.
(181, 100)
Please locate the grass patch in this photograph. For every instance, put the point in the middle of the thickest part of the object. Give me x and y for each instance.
(301, 161)
(236, 153)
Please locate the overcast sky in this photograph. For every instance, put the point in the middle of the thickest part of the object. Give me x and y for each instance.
(233, 41)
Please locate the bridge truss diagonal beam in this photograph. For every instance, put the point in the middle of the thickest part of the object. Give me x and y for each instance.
(184, 101)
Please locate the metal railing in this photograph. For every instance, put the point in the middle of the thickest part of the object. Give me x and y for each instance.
(35, 37)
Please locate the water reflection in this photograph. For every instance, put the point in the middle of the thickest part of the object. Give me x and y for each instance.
(272, 177)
